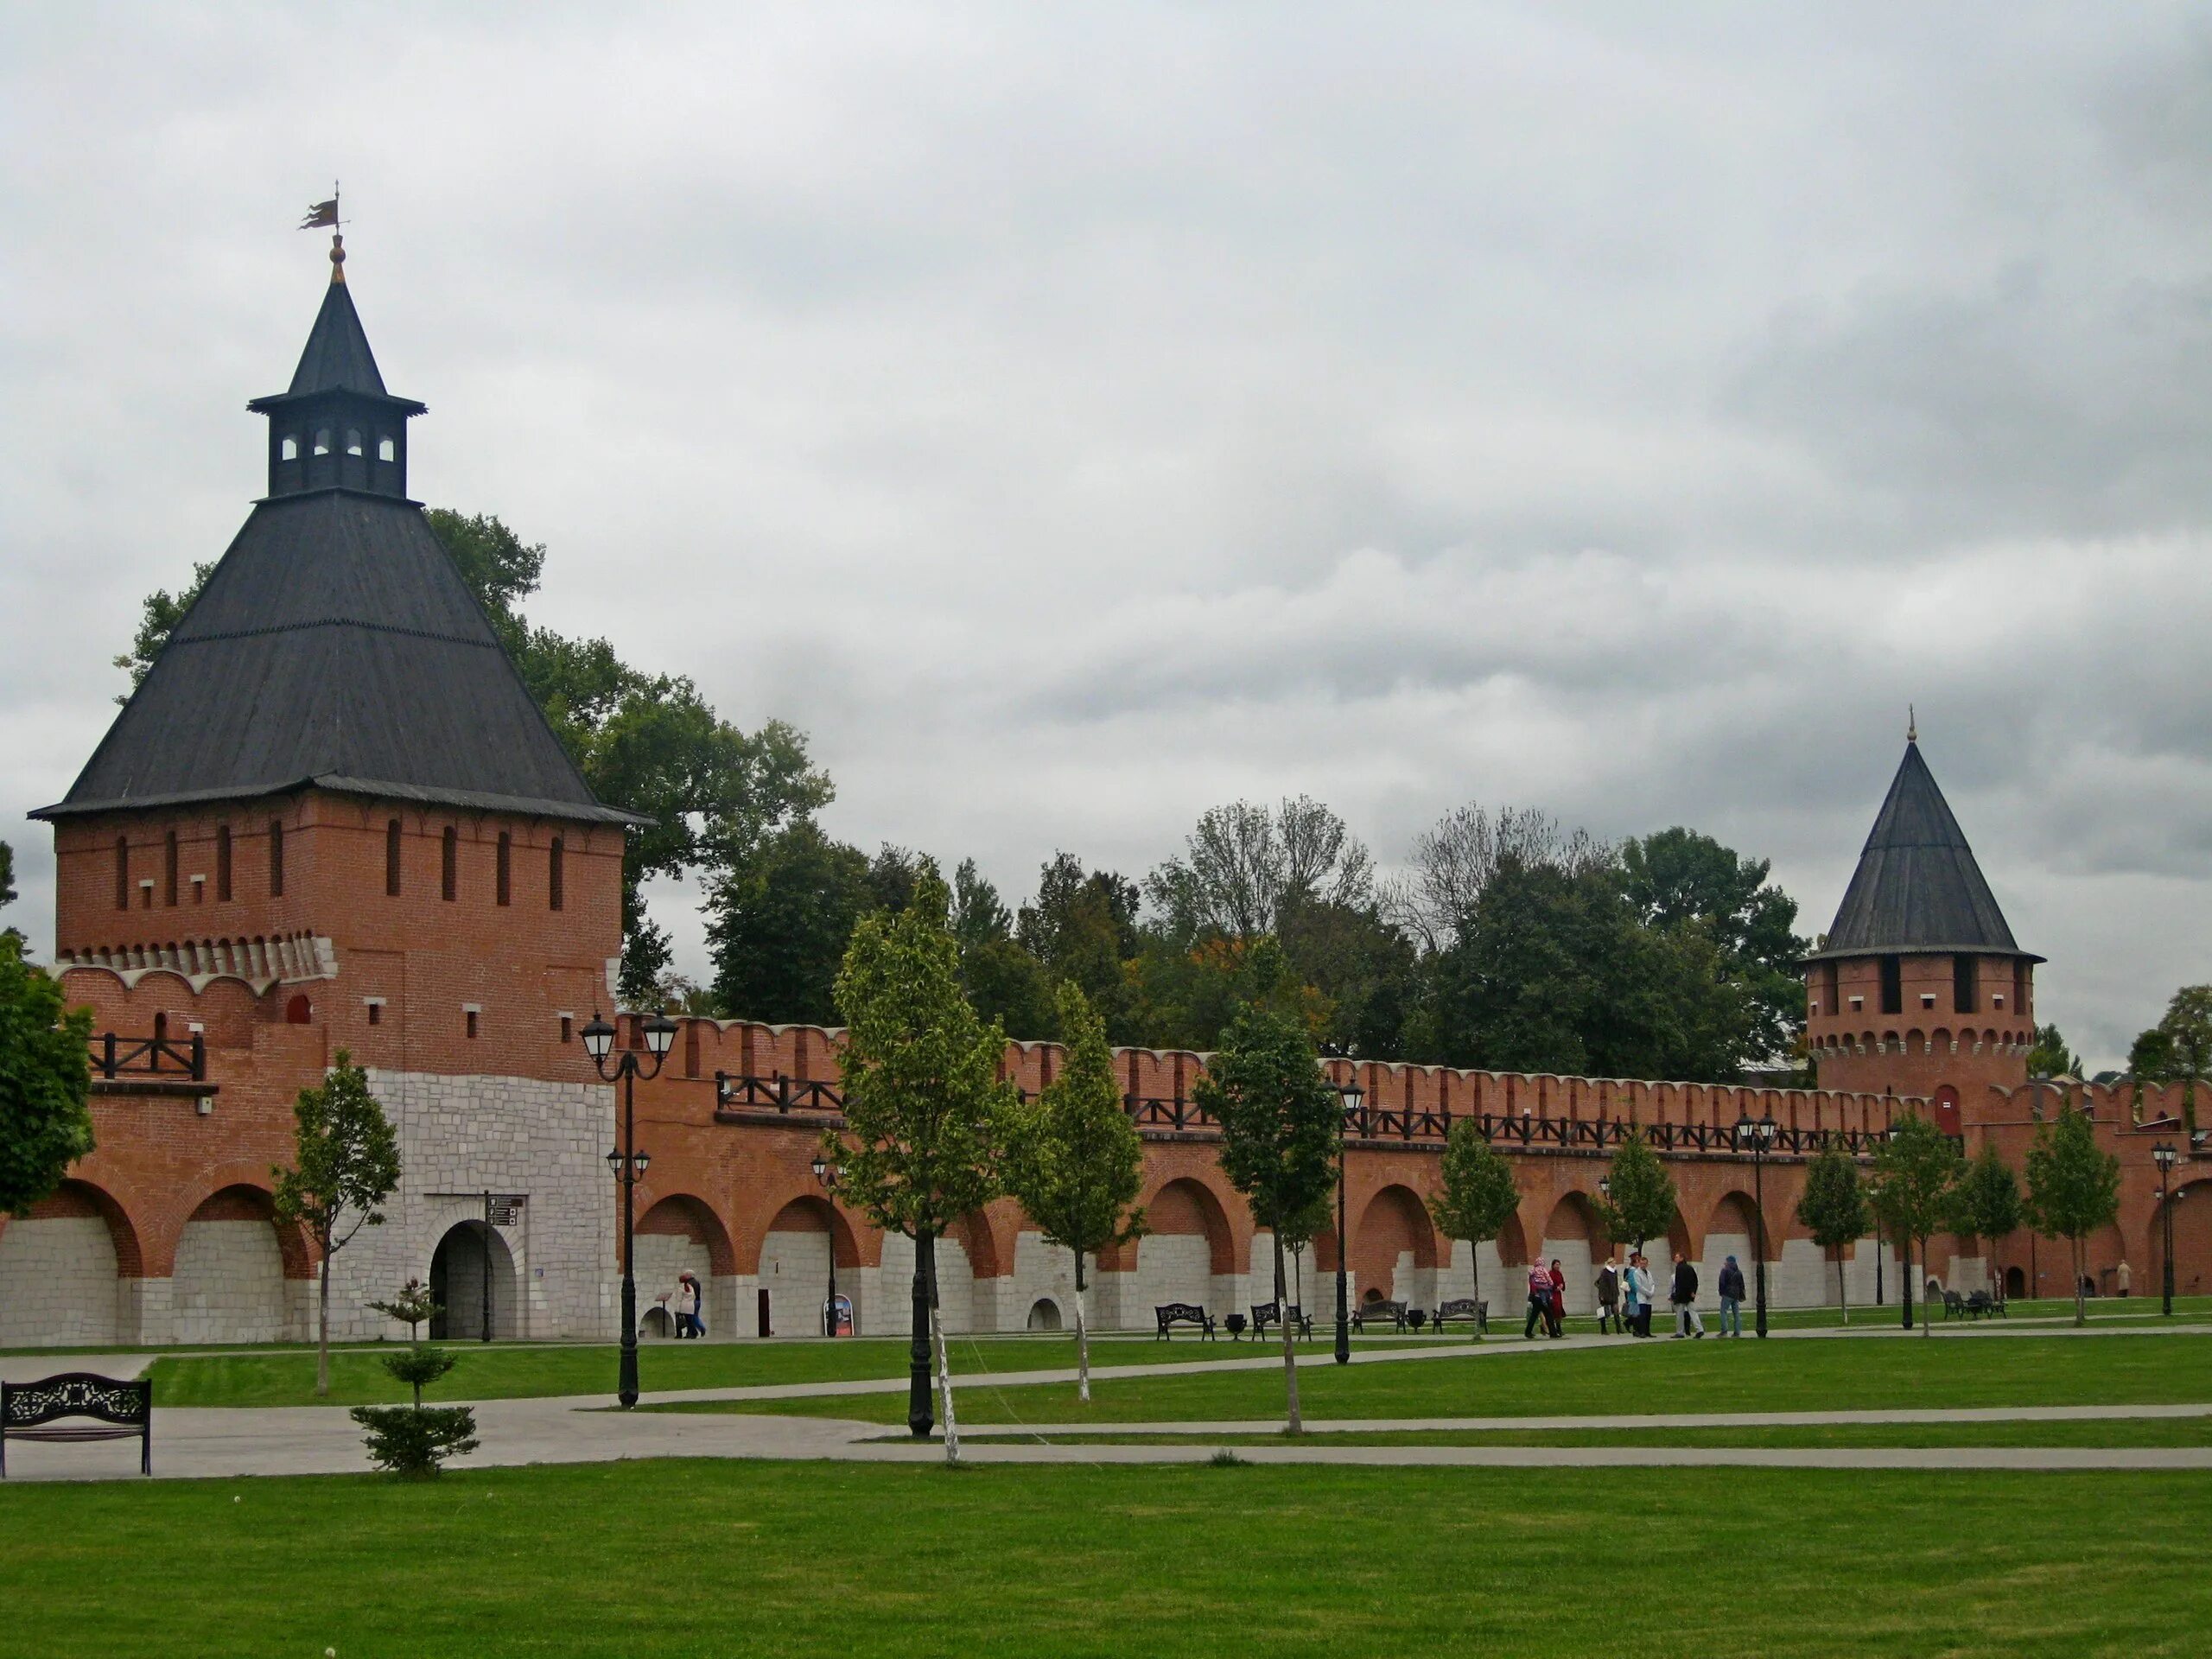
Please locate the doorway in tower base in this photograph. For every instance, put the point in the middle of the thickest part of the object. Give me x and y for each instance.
(459, 1267)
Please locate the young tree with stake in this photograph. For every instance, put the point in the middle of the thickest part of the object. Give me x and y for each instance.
(926, 1110)
(1834, 1209)
(2073, 1189)
(345, 1163)
(1478, 1198)
(1075, 1159)
(1989, 1206)
(1642, 1200)
(1281, 1127)
(1916, 1176)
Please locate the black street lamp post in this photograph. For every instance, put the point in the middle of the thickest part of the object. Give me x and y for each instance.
(1354, 1098)
(2165, 1152)
(828, 1175)
(627, 1165)
(1758, 1136)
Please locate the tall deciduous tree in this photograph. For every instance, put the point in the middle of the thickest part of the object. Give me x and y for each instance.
(45, 1081)
(1916, 1176)
(926, 1114)
(1680, 878)
(1988, 1204)
(2178, 1049)
(1641, 1200)
(344, 1165)
(2050, 1056)
(778, 924)
(2073, 1189)
(1478, 1197)
(1833, 1208)
(1075, 1159)
(1281, 1134)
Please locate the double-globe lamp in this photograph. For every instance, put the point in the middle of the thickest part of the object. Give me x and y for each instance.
(626, 1163)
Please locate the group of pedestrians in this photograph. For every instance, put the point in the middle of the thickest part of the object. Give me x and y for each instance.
(1627, 1293)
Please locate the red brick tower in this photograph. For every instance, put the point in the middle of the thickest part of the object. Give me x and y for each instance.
(333, 817)
(1917, 988)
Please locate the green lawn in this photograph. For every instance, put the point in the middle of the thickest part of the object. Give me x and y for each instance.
(1647, 1377)
(654, 1560)
(515, 1370)
(2104, 1433)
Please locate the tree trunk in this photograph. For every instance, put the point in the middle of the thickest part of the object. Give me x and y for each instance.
(945, 1385)
(1475, 1273)
(1842, 1294)
(1082, 1337)
(2081, 1302)
(1297, 1424)
(322, 1324)
(1927, 1309)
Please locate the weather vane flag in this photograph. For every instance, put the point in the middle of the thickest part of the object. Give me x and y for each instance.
(322, 212)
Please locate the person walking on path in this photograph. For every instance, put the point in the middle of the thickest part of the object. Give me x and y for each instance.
(1558, 1304)
(1640, 1293)
(1609, 1298)
(1684, 1297)
(2124, 1277)
(687, 1306)
(1731, 1299)
(1539, 1301)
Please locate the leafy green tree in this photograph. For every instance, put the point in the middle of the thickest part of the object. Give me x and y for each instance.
(1917, 1172)
(2050, 1058)
(1281, 1127)
(159, 613)
(345, 1163)
(1641, 1200)
(2073, 1189)
(1681, 879)
(1245, 864)
(1833, 1210)
(2178, 1049)
(1082, 928)
(926, 1114)
(45, 1081)
(7, 873)
(778, 924)
(1075, 1159)
(1478, 1197)
(1988, 1204)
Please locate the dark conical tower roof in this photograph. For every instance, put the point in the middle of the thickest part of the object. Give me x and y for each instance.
(1917, 888)
(335, 646)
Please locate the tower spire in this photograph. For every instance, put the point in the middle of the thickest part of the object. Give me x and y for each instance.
(1912, 719)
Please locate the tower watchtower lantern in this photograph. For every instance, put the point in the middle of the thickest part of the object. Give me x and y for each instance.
(335, 427)
(1918, 987)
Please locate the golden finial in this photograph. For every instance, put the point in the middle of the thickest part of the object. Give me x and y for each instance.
(337, 257)
(1912, 719)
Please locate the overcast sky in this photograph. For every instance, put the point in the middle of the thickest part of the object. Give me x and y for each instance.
(1074, 417)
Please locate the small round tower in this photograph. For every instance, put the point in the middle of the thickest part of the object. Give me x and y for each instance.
(1918, 987)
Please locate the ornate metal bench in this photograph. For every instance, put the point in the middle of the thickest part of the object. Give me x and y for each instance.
(1183, 1313)
(1463, 1307)
(123, 1410)
(1267, 1313)
(1392, 1313)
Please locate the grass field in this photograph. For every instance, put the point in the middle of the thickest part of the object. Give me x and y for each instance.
(658, 1559)
(513, 1370)
(1648, 1377)
(2104, 1433)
